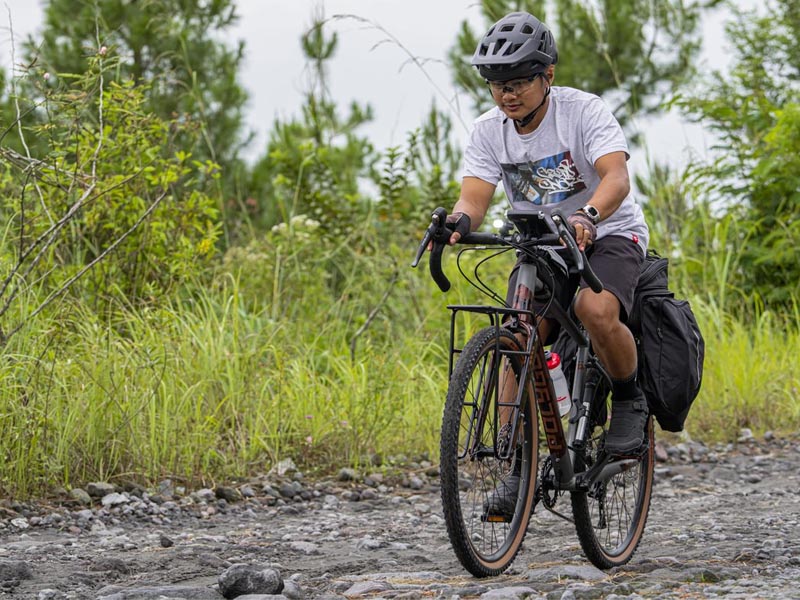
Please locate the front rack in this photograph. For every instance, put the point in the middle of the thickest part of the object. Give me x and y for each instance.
(495, 315)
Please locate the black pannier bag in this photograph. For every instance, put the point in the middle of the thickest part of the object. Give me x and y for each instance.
(670, 346)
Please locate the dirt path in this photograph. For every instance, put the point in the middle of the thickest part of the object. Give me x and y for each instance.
(724, 522)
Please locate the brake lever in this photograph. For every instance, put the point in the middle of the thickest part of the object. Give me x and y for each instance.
(422, 247)
(439, 234)
(567, 235)
(437, 231)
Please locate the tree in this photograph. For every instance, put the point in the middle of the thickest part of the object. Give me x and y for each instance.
(313, 164)
(755, 111)
(629, 51)
(113, 203)
(173, 45)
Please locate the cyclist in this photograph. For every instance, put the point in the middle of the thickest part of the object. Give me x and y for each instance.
(561, 147)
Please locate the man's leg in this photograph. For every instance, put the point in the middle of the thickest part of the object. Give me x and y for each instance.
(617, 262)
(615, 347)
(611, 338)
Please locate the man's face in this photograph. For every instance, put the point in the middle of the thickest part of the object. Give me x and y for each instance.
(518, 97)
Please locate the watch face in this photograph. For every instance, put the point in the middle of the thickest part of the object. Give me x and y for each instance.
(592, 213)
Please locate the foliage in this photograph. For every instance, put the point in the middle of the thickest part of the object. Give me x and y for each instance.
(750, 375)
(313, 164)
(417, 178)
(310, 337)
(230, 377)
(113, 180)
(175, 49)
(630, 51)
(174, 45)
(755, 112)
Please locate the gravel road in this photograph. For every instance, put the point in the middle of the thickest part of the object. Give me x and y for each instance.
(723, 523)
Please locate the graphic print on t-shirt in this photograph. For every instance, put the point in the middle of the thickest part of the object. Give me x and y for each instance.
(546, 181)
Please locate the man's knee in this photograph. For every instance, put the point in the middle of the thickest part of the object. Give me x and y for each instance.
(597, 311)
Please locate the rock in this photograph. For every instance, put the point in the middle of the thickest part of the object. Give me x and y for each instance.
(347, 474)
(80, 496)
(241, 579)
(363, 589)
(99, 489)
(173, 592)
(14, 570)
(49, 594)
(582, 572)
(106, 564)
(709, 534)
(305, 547)
(166, 488)
(513, 593)
(283, 467)
(205, 495)
(745, 436)
(114, 499)
(228, 494)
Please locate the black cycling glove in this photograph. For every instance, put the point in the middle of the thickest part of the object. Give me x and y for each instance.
(459, 222)
(586, 223)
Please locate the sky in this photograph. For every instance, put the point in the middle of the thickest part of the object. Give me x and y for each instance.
(372, 66)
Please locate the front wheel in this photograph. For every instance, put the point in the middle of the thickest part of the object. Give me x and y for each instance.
(610, 516)
(478, 456)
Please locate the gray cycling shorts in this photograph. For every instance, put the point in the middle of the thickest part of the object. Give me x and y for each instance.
(617, 262)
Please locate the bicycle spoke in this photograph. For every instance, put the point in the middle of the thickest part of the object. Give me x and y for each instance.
(610, 517)
(470, 462)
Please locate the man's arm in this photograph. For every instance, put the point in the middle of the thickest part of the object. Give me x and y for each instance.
(614, 183)
(476, 196)
(612, 190)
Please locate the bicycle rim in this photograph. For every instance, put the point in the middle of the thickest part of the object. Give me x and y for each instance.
(610, 517)
(470, 467)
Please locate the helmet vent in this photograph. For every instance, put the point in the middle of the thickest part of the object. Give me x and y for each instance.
(515, 46)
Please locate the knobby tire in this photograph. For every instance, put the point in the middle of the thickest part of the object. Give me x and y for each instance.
(485, 548)
(610, 517)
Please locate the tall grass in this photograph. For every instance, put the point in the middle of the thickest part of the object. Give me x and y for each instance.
(212, 387)
(260, 364)
(750, 377)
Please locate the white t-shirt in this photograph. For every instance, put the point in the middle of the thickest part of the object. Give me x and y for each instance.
(554, 165)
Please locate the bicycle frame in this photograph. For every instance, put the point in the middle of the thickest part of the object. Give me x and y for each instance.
(522, 321)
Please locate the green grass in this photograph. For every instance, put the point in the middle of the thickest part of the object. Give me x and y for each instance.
(241, 372)
(750, 377)
(206, 389)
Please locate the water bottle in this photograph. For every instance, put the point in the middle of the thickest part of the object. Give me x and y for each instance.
(559, 382)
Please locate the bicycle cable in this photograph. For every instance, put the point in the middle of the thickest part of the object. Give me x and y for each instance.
(478, 283)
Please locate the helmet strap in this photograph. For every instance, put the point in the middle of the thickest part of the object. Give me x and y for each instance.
(524, 121)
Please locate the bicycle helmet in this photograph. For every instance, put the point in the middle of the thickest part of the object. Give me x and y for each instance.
(518, 45)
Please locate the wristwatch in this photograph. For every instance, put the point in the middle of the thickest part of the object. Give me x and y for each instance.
(591, 212)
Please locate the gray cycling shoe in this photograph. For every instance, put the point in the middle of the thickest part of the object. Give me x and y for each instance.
(628, 421)
(503, 500)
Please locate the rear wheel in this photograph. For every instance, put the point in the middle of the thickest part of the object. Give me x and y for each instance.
(610, 516)
(477, 455)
